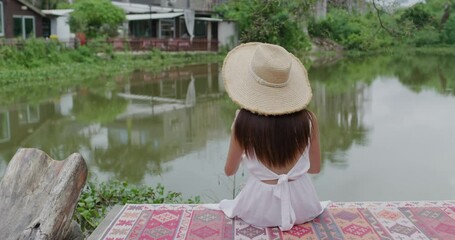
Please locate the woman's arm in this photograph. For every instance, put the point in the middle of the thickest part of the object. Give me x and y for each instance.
(315, 151)
(234, 157)
(235, 151)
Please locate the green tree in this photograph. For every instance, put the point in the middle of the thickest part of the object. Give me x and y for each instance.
(449, 31)
(418, 15)
(96, 17)
(271, 21)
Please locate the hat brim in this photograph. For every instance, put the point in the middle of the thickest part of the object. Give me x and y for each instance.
(244, 90)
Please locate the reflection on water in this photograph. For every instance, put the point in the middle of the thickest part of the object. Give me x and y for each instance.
(385, 122)
(340, 114)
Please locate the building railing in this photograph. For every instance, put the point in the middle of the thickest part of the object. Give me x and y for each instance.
(144, 44)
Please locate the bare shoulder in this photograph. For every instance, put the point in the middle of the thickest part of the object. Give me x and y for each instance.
(313, 119)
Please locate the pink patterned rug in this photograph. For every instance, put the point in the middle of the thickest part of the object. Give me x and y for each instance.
(363, 220)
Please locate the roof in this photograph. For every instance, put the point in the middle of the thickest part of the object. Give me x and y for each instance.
(57, 12)
(135, 17)
(143, 8)
(31, 7)
(209, 19)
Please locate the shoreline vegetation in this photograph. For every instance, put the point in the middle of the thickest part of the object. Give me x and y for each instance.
(38, 68)
(40, 62)
(98, 198)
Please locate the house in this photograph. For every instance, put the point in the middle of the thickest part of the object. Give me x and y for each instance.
(59, 26)
(206, 6)
(171, 28)
(19, 19)
(157, 24)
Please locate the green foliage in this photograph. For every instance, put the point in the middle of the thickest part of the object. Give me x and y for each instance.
(37, 69)
(448, 32)
(416, 26)
(418, 15)
(436, 7)
(46, 4)
(426, 36)
(96, 18)
(420, 24)
(82, 54)
(97, 199)
(34, 53)
(270, 21)
(353, 31)
(30, 53)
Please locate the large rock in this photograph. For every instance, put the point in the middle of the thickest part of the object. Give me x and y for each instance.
(38, 195)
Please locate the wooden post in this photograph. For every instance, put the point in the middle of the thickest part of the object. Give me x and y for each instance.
(209, 36)
(38, 195)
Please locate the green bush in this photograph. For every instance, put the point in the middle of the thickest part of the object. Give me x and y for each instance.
(448, 32)
(321, 28)
(270, 21)
(97, 199)
(425, 37)
(82, 54)
(416, 26)
(353, 31)
(96, 18)
(99, 45)
(418, 15)
(338, 25)
(7, 54)
(34, 53)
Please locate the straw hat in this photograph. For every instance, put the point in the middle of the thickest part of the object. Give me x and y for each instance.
(266, 79)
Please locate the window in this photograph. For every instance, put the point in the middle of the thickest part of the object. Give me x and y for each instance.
(141, 28)
(29, 114)
(182, 27)
(167, 28)
(24, 26)
(200, 28)
(2, 28)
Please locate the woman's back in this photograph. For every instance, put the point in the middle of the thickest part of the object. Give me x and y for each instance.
(270, 175)
(273, 199)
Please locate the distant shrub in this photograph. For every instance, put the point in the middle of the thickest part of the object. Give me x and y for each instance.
(7, 53)
(32, 53)
(425, 37)
(98, 198)
(338, 25)
(418, 15)
(448, 32)
(353, 31)
(96, 18)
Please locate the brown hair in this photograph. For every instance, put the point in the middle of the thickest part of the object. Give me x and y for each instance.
(275, 140)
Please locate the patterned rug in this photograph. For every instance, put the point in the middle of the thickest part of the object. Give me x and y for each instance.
(364, 220)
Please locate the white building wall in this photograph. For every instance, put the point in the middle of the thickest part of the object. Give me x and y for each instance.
(59, 19)
(227, 36)
(65, 106)
(63, 28)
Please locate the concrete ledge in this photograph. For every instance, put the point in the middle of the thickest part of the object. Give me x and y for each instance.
(110, 217)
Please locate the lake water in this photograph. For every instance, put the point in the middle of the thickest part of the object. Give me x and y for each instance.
(387, 128)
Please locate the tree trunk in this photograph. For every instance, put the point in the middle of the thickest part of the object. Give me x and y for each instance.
(321, 9)
(38, 195)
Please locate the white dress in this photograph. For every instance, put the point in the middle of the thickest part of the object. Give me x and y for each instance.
(293, 200)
